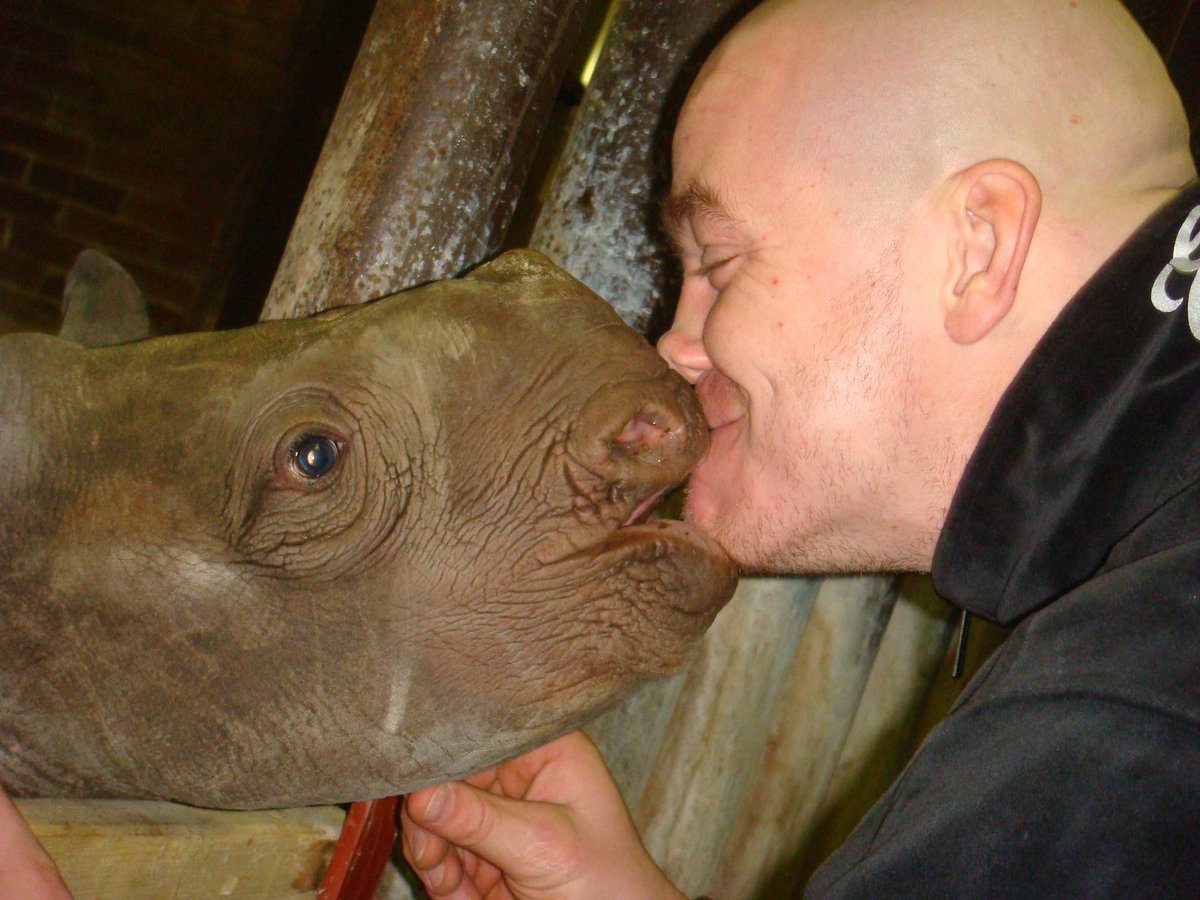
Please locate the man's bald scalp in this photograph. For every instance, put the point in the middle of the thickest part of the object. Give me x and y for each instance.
(914, 90)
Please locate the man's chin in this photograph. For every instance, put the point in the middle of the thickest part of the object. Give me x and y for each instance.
(751, 543)
(743, 531)
(723, 525)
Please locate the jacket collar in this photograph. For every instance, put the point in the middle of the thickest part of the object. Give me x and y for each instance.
(1097, 430)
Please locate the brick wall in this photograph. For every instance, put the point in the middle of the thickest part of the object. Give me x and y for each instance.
(137, 127)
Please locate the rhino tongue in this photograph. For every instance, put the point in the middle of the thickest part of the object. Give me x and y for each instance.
(644, 508)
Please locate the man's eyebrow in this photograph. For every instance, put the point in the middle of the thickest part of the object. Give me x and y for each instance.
(697, 199)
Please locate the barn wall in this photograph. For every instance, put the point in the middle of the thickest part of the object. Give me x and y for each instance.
(141, 127)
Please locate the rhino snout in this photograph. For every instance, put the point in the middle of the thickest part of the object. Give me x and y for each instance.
(640, 437)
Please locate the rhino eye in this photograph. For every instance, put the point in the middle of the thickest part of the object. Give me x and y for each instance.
(314, 455)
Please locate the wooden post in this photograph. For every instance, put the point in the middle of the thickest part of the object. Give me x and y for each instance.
(886, 728)
(723, 720)
(600, 216)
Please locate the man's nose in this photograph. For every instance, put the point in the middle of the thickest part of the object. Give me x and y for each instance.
(684, 352)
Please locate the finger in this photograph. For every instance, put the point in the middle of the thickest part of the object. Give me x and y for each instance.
(462, 875)
(522, 839)
(566, 769)
(423, 849)
(482, 873)
(429, 855)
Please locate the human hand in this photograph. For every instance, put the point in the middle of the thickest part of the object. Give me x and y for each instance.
(549, 824)
(26, 870)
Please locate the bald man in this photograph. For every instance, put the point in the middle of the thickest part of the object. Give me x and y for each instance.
(942, 309)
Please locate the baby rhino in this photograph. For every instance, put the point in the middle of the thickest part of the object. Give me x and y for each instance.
(335, 558)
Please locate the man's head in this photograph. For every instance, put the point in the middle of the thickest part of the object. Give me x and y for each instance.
(880, 206)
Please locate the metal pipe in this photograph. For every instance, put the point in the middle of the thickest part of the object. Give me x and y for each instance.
(428, 150)
(600, 218)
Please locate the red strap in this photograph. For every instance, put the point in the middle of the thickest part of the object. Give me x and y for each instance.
(362, 851)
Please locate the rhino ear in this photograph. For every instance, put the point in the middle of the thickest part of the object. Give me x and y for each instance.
(516, 266)
(101, 303)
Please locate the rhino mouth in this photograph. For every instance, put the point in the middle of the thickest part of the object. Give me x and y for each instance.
(637, 442)
(682, 570)
(651, 455)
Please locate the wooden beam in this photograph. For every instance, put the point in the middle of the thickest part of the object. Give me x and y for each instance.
(723, 721)
(811, 722)
(147, 850)
(428, 150)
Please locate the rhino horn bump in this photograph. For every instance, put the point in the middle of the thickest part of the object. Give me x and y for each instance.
(516, 266)
(102, 305)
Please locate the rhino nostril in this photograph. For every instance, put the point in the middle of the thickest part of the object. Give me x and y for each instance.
(643, 430)
(639, 430)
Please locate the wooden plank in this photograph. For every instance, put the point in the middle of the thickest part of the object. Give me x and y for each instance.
(721, 726)
(918, 643)
(147, 849)
(629, 735)
(812, 720)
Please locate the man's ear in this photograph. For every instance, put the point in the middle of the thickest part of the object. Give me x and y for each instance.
(993, 213)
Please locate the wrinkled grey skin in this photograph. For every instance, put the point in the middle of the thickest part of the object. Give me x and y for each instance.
(188, 616)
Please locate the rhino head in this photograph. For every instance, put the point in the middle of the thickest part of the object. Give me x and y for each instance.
(334, 558)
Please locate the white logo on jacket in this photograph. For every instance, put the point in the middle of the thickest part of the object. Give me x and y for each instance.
(1183, 261)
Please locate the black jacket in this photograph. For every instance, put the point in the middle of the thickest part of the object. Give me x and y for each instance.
(1070, 766)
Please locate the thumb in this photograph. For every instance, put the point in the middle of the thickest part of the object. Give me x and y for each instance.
(25, 868)
(528, 840)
